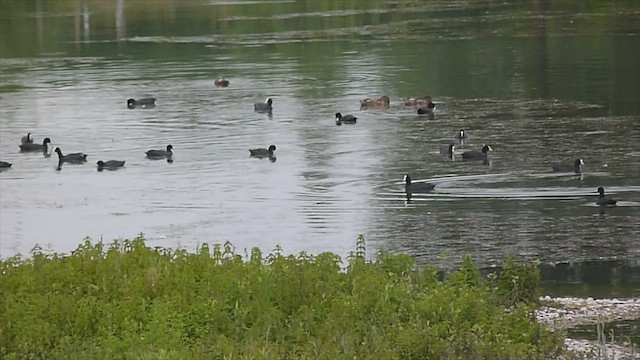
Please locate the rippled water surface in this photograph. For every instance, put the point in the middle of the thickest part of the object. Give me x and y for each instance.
(539, 83)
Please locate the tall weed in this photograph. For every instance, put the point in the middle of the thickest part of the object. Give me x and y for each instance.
(127, 300)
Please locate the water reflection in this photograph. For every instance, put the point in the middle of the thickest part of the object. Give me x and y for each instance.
(121, 26)
(331, 183)
(623, 331)
(595, 278)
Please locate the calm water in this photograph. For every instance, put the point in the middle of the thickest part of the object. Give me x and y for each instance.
(541, 82)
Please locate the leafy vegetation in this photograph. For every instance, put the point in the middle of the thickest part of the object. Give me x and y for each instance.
(128, 300)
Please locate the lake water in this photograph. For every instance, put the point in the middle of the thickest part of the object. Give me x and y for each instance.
(540, 81)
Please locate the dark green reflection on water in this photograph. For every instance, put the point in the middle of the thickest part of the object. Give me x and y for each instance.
(597, 279)
(605, 278)
(534, 49)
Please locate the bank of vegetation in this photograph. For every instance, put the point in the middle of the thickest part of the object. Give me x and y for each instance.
(127, 300)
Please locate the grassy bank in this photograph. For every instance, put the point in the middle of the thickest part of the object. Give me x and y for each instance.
(127, 301)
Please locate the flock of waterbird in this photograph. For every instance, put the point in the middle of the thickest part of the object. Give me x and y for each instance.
(424, 106)
(27, 145)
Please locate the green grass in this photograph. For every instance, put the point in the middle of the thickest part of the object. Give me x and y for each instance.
(129, 301)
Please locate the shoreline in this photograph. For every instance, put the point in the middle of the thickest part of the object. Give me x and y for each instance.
(561, 313)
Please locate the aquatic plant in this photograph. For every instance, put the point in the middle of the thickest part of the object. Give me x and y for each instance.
(128, 300)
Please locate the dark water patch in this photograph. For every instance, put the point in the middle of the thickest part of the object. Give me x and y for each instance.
(614, 332)
(9, 88)
(594, 278)
(7, 64)
(247, 2)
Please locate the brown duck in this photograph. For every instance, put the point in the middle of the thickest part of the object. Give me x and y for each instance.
(381, 102)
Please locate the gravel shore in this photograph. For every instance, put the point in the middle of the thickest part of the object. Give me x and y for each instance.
(564, 313)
